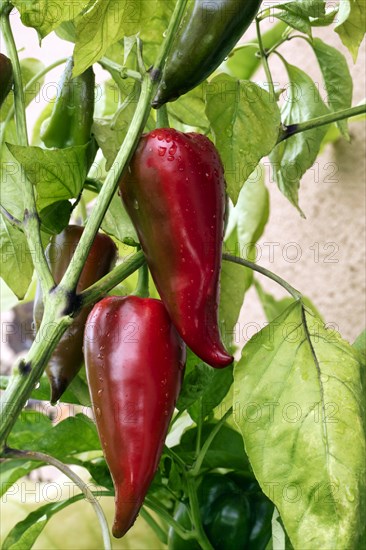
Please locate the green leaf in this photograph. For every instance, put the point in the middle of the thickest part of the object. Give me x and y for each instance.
(12, 470)
(100, 472)
(294, 156)
(106, 22)
(304, 8)
(11, 177)
(29, 68)
(17, 265)
(360, 345)
(58, 174)
(299, 395)
(301, 24)
(203, 387)
(337, 79)
(190, 108)
(225, 451)
(243, 61)
(55, 217)
(245, 123)
(33, 431)
(118, 224)
(45, 16)
(246, 225)
(351, 23)
(25, 533)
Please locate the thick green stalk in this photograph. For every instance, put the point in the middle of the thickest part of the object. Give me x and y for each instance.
(264, 57)
(31, 224)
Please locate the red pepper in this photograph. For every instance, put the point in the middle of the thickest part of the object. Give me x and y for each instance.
(174, 192)
(67, 358)
(135, 363)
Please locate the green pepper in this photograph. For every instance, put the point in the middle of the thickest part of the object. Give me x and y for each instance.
(235, 515)
(72, 114)
(207, 34)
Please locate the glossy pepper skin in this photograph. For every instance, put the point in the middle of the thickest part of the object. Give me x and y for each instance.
(208, 32)
(72, 114)
(67, 358)
(135, 363)
(174, 192)
(235, 514)
(6, 77)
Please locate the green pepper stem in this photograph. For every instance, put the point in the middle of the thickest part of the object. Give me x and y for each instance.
(162, 119)
(47, 459)
(118, 70)
(246, 263)
(196, 516)
(288, 131)
(142, 287)
(112, 279)
(31, 223)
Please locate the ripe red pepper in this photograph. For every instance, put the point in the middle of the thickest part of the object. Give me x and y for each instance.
(67, 358)
(135, 363)
(174, 192)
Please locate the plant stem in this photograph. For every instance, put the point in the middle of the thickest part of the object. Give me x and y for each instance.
(11, 219)
(196, 516)
(31, 223)
(47, 459)
(292, 129)
(264, 57)
(113, 278)
(27, 372)
(246, 263)
(197, 466)
(116, 69)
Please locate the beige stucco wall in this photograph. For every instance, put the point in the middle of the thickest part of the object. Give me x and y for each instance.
(333, 199)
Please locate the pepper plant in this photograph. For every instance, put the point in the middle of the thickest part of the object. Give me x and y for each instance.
(181, 111)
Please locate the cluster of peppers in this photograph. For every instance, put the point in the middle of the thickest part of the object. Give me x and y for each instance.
(134, 348)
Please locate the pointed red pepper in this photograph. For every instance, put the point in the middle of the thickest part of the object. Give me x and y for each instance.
(174, 192)
(134, 361)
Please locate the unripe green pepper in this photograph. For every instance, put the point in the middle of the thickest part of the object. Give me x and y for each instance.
(6, 77)
(208, 32)
(72, 114)
(235, 515)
